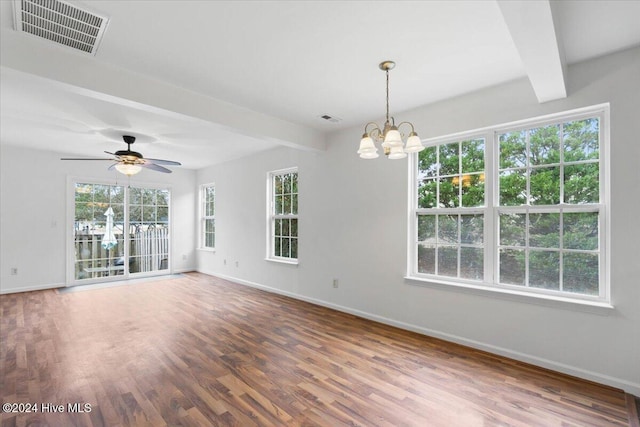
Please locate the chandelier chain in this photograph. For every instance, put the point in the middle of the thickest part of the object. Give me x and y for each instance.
(387, 71)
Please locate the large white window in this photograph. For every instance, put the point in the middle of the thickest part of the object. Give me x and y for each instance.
(207, 216)
(283, 216)
(518, 207)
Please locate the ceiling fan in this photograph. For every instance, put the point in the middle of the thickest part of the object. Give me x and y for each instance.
(131, 162)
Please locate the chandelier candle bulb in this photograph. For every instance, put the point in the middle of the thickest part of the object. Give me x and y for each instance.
(389, 136)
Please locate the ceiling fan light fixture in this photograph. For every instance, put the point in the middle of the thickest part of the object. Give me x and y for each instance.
(128, 169)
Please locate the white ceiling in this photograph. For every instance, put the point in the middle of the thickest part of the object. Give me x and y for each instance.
(203, 82)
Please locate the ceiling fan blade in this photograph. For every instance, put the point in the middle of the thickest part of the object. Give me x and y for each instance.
(112, 167)
(155, 167)
(80, 158)
(164, 162)
(108, 152)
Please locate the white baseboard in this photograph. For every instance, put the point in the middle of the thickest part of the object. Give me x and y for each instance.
(627, 386)
(4, 290)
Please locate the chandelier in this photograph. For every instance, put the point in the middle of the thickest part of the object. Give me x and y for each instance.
(389, 135)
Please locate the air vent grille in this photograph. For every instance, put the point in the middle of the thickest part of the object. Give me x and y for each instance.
(60, 22)
(332, 119)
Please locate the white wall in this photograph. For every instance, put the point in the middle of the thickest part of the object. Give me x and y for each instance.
(33, 217)
(353, 224)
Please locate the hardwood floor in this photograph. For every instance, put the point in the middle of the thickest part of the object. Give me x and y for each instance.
(201, 351)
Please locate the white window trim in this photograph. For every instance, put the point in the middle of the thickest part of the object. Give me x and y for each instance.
(271, 216)
(489, 286)
(202, 217)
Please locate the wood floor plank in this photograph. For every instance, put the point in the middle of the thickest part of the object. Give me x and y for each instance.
(197, 350)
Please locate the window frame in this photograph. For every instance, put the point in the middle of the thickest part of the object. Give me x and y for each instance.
(204, 217)
(492, 210)
(272, 216)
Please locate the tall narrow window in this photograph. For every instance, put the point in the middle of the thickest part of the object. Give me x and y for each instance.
(208, 218)
(283, 215)
(517, 207)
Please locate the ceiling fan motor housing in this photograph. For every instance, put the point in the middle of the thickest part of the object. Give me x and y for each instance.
(128, 155)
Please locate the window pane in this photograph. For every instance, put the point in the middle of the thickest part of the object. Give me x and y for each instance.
(544, 145)
(512, 266)
(427, 163)
(135, 196)
(294, 204)
(513, 150)
(472, 156)
(448, 229)
(449, 192)
(294, 248)
(426, 228)
(135, 214)
(279, 209)
(163, 213)
(580, 140)
(513, 188)
(294, 227)
(581, 230)
(582, 183)
(471, 263)
(449, 159)
(286, 244)
(286, 183)
(294, 182)
(84, 192)
(512, 229)
(277, 227)
(277, 185)
(286, 200)
(210, 240)
(102, 193)
(117, 194)
(163, 196)
(84, 211)
(209, 225)
(148, 196)
(544, 230)
(427, 193)
(544, 269)
(580, 273)
(426, 259)
(473, 190)
(149, 213)
(285, 227)
(448, 261)
(545, 186)
(472, 227)
(277, 250)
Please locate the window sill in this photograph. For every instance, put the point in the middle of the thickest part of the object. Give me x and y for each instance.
(595, 307)
(283, 261)
(206, 249)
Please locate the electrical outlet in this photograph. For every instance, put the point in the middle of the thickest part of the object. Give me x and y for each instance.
(14, 271)
(335, 283)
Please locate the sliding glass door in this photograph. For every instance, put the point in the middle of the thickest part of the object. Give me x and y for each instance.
(119, 232)
(148, 229)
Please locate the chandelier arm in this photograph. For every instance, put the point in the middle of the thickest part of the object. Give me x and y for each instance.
(376, 129)
(407, 123)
